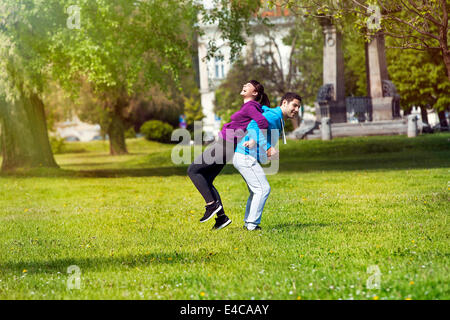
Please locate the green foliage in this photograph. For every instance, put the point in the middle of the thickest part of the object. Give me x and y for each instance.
(228, 100)
(420, 78)
(307, 59)
(156, 130)
(304, 76)
(130, 133)
(419, 25)
(233, 18)
(116, 49)
(156, 104)
(355, 62)
(58, 144)
(192, 110)
(288, 126)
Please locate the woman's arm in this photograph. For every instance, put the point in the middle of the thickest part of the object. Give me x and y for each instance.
(256, 115)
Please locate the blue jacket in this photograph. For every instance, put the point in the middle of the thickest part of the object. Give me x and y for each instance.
(264, 138)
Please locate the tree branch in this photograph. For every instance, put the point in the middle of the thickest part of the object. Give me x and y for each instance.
(412, 26)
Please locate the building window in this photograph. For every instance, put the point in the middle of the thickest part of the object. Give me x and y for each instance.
(219, 68)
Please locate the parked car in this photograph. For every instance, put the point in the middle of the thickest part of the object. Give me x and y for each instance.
(71, 138)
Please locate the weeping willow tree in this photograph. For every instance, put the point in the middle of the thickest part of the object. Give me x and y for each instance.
(23, 48)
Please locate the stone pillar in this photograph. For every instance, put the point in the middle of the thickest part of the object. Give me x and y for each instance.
(326, 129)
(206, 92)
(412, 126)
(384, 104)
(333, 75)
(333, 60)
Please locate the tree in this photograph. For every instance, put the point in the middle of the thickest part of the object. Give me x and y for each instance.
(155, 104)
(307, 60)
(23, 71)
(122, 48)
(233, 19)
(227, 95)
(420, 78)
(193, 111)
(299, 72)
(412, 24)
(119, 47)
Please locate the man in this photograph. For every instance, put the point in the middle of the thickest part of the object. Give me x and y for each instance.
(255, 148)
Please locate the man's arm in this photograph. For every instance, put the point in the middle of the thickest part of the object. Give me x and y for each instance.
(257, 135)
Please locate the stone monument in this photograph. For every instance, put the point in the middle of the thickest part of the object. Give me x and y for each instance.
(383, 94)
(378, 113)
(331, 97)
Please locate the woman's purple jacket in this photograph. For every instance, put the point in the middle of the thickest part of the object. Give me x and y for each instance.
(249, 111)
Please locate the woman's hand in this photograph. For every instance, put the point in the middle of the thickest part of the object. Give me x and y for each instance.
(249, 144)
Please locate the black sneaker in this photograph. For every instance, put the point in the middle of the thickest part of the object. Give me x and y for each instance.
(211, 210)
(221, 222)
(257, 228)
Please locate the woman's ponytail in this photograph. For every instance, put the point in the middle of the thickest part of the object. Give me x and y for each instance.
(265, 100)
(262, 98)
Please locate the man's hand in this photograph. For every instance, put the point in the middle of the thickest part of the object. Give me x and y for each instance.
(249, 144)
(272, 153)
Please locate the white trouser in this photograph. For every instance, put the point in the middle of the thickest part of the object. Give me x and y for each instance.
(257, 184)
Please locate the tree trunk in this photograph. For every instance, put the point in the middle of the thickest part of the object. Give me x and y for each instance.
(424, 114)
(25, 142)
(446, 55)
(116, 132)
(443, 37)
(443, 120)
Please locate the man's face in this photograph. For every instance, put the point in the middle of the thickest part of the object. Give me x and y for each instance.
(291, 108)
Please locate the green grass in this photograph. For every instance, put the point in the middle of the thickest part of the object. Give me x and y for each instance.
(130, 223)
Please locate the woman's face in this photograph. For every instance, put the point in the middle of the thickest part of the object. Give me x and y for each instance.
(248, 91)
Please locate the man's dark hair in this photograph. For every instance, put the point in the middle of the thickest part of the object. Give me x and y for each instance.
(289, 96)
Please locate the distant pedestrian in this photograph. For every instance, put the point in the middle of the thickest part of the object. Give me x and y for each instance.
(182, 120)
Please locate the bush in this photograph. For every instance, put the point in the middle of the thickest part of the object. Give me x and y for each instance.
(157, 131)
(57, 144)
(130, 133)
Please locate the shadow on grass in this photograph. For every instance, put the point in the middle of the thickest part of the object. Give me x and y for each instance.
(297, 226)
(104, 262)
(376, 153)
(288, 166)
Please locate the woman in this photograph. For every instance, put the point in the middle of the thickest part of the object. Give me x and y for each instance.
(209, 164)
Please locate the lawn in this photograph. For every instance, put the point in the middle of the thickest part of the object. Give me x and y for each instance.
(338, 210)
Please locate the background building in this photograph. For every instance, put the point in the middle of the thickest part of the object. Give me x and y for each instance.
(213, 71)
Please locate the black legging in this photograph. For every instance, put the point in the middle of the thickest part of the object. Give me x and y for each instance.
(207, 167)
